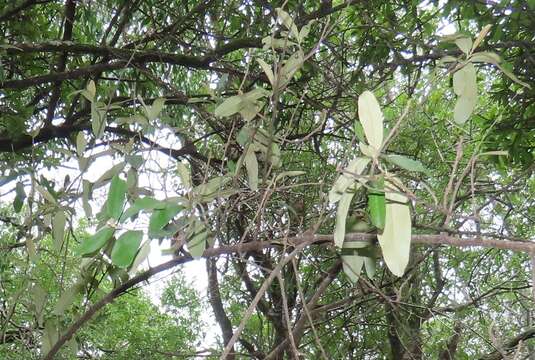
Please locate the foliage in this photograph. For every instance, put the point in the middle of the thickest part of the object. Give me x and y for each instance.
(288, 145)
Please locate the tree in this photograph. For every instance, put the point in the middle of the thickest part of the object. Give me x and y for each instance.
(358, 184)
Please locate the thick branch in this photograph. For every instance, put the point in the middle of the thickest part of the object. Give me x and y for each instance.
(298, 241)
(511, 344)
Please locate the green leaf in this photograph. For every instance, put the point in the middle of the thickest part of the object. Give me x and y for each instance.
(109, 174)
(98, 240)
(251, 165)
(481, 36)
(66, 299)
(371, 117)
(185, 174)
(86, 195)
(370, 265)
(58, 229)
(160, 218)
(341, 216)
(197, 241)
(406, 163)
(116, 197)
(355, 167)
(144, 203)
(464, 80)
(91, 89)
(125, 248)
(288, 22)
(98, 120)
(377, 209)
(395, 241)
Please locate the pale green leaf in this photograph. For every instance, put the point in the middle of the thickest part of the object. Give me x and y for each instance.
(86, 195)
(267, 70)
(141, 256)
(486, 57)
(465, 44)
(352, 265)
(229, 107)
(58, 229)
(197, 241)
(251, 165)
(66, 299)
(406, 163)
(464, 81)
(144, 203)
(395, 240)
(91, 89)
(81, 143)
(371, 117)
(185, 174)
(464, 107)
(370, 265)
(288, 22)
(354, 168)
(125, 248)
(341, 216)
(156, 108)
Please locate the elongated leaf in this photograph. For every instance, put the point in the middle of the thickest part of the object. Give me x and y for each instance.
(352, 265)
(156, 108)
(481, 36)
(197, 241)
(355, 167)
(93, 243)
(141, 255)
(86, 195)
(58, 229)
(395, 240)
(66, 299)
(464, 107)
(116, 197)
(377, 209)
(370, 265)
(341, 216)
(229, 107)
(406, 163)
(81, 143)
(267, 70)
(486, 57)
(251, 165)
(464, 80)
(371, 117)
(161, 217)
(125, 248)
(144, 203)
(108, 175)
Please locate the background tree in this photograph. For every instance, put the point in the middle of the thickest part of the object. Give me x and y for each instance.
(291, 144)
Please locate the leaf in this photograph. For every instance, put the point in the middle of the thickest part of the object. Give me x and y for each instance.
(125, 248)
(251, 165)
(109, 174)
(288, 22)
(406, 163)
(370, 265)
(289, 174)
(46, 195)
(371, 117)
(98, 240)
(465, 44)
(352, 265)
(81, 143)
(464, 107)
(267, 70)
(185, 174)
(50, 336)
(141, 255)
(395, 240)
(66, 299)
(376, 206)
(212, 187)
(481, 36)
(464, 80)
(486, 57)
(290, 67)
(197, 242)
(58, 229)
(161, 217)
(355, 167)
(341, 216)
(156, 108)
(91, 89)
(229, 107)
(116, 197)
(144, 203)
(86, 194)
(98, 120)
(512, 76)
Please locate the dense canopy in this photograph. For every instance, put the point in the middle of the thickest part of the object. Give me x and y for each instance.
(267, 179)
